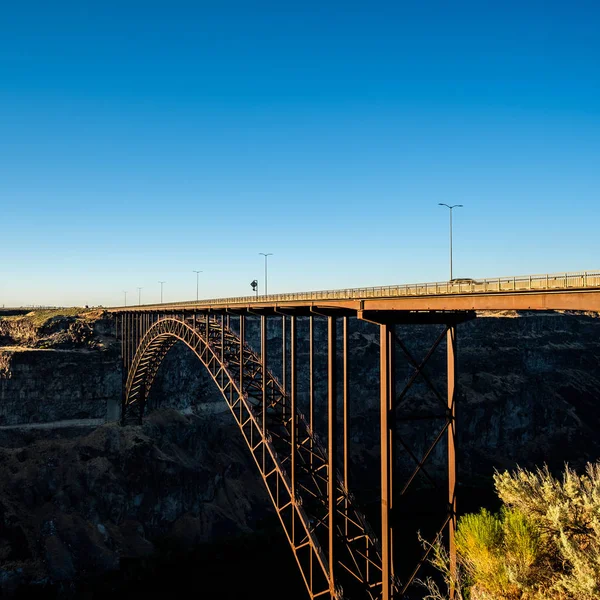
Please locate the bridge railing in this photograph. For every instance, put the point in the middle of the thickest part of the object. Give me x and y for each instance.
(524, 283)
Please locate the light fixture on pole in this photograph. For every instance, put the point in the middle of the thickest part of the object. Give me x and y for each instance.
(125, 297)
(161, 290)
(140, 295)
(197, 275)
(450, 207)
(265, 255)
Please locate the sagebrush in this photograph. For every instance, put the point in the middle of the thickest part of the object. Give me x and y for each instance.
(544, 544)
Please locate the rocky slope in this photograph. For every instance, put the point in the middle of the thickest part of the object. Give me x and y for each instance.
(57, 367)
(74, 508)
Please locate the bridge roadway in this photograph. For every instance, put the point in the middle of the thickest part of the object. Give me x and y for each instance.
(578, 291)
(306, 472)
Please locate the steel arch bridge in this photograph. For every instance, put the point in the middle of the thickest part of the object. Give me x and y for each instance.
(297, 481)
(339, 555)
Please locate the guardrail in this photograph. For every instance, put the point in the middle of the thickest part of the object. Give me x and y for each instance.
(524, 283)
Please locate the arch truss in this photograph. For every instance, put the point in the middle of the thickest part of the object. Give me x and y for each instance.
(337, 552)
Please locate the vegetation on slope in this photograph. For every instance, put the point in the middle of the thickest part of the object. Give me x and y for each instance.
(544, 544)
(50, 328)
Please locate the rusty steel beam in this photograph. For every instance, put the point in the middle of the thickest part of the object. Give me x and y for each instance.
(283, 353)
(242, 325)
(263, 354)
(331, 448)
(346, 409)
(293, 407)
(451, 351)
(311, 388)
(386, 425)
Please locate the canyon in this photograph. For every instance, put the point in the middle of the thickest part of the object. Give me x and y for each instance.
(88, 506)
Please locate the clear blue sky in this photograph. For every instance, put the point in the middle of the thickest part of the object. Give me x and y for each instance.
(142, 140)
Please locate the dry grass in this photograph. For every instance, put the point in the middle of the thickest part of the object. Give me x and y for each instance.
(40, 317)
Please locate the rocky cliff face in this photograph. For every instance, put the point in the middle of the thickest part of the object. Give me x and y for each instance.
(74, 505)
(74, 508)
(57, 367)
(87, 510)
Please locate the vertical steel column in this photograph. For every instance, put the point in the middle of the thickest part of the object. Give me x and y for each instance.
(387, 392)
(128, 332)
(346, 388)
(284, 366)
(242, 336)
(120, 317)
(293, 427)
(124, 363)
(263, 351)
(125, 349)
(331, 444)
(451, 342)
(222, 339)
(222, 351)
(132, 335)
(311, 389)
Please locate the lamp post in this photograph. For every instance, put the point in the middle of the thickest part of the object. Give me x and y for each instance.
(140, 295)
(265, 255)
(197, 275)
(161, 290)
(450, 207)
(125, 297)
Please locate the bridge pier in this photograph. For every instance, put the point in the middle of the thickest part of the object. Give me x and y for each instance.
(387, 366)
(332, 448)
(451, 351)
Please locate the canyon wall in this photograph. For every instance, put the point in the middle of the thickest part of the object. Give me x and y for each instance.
(76, 502)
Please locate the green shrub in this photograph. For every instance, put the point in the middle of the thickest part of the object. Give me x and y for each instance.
(544, 544)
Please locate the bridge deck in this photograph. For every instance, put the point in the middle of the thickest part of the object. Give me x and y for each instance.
(578, 291)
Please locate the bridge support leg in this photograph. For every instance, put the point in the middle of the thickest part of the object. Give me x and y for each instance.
(451, 342)
(263, 351)
(121, 401)
(284, 360)
(222, 350)
(311, 389)
(242, 340)
(346, 416)
(124, 365)
(332, 446)
(387, 393)
(293, 417)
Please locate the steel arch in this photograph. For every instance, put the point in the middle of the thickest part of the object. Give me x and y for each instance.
(266, 427)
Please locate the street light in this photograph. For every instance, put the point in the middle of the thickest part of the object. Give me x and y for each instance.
(140, 295)
(265, 255)
(125, 297)
(161, 290)
(197, 275)
(450, 207)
